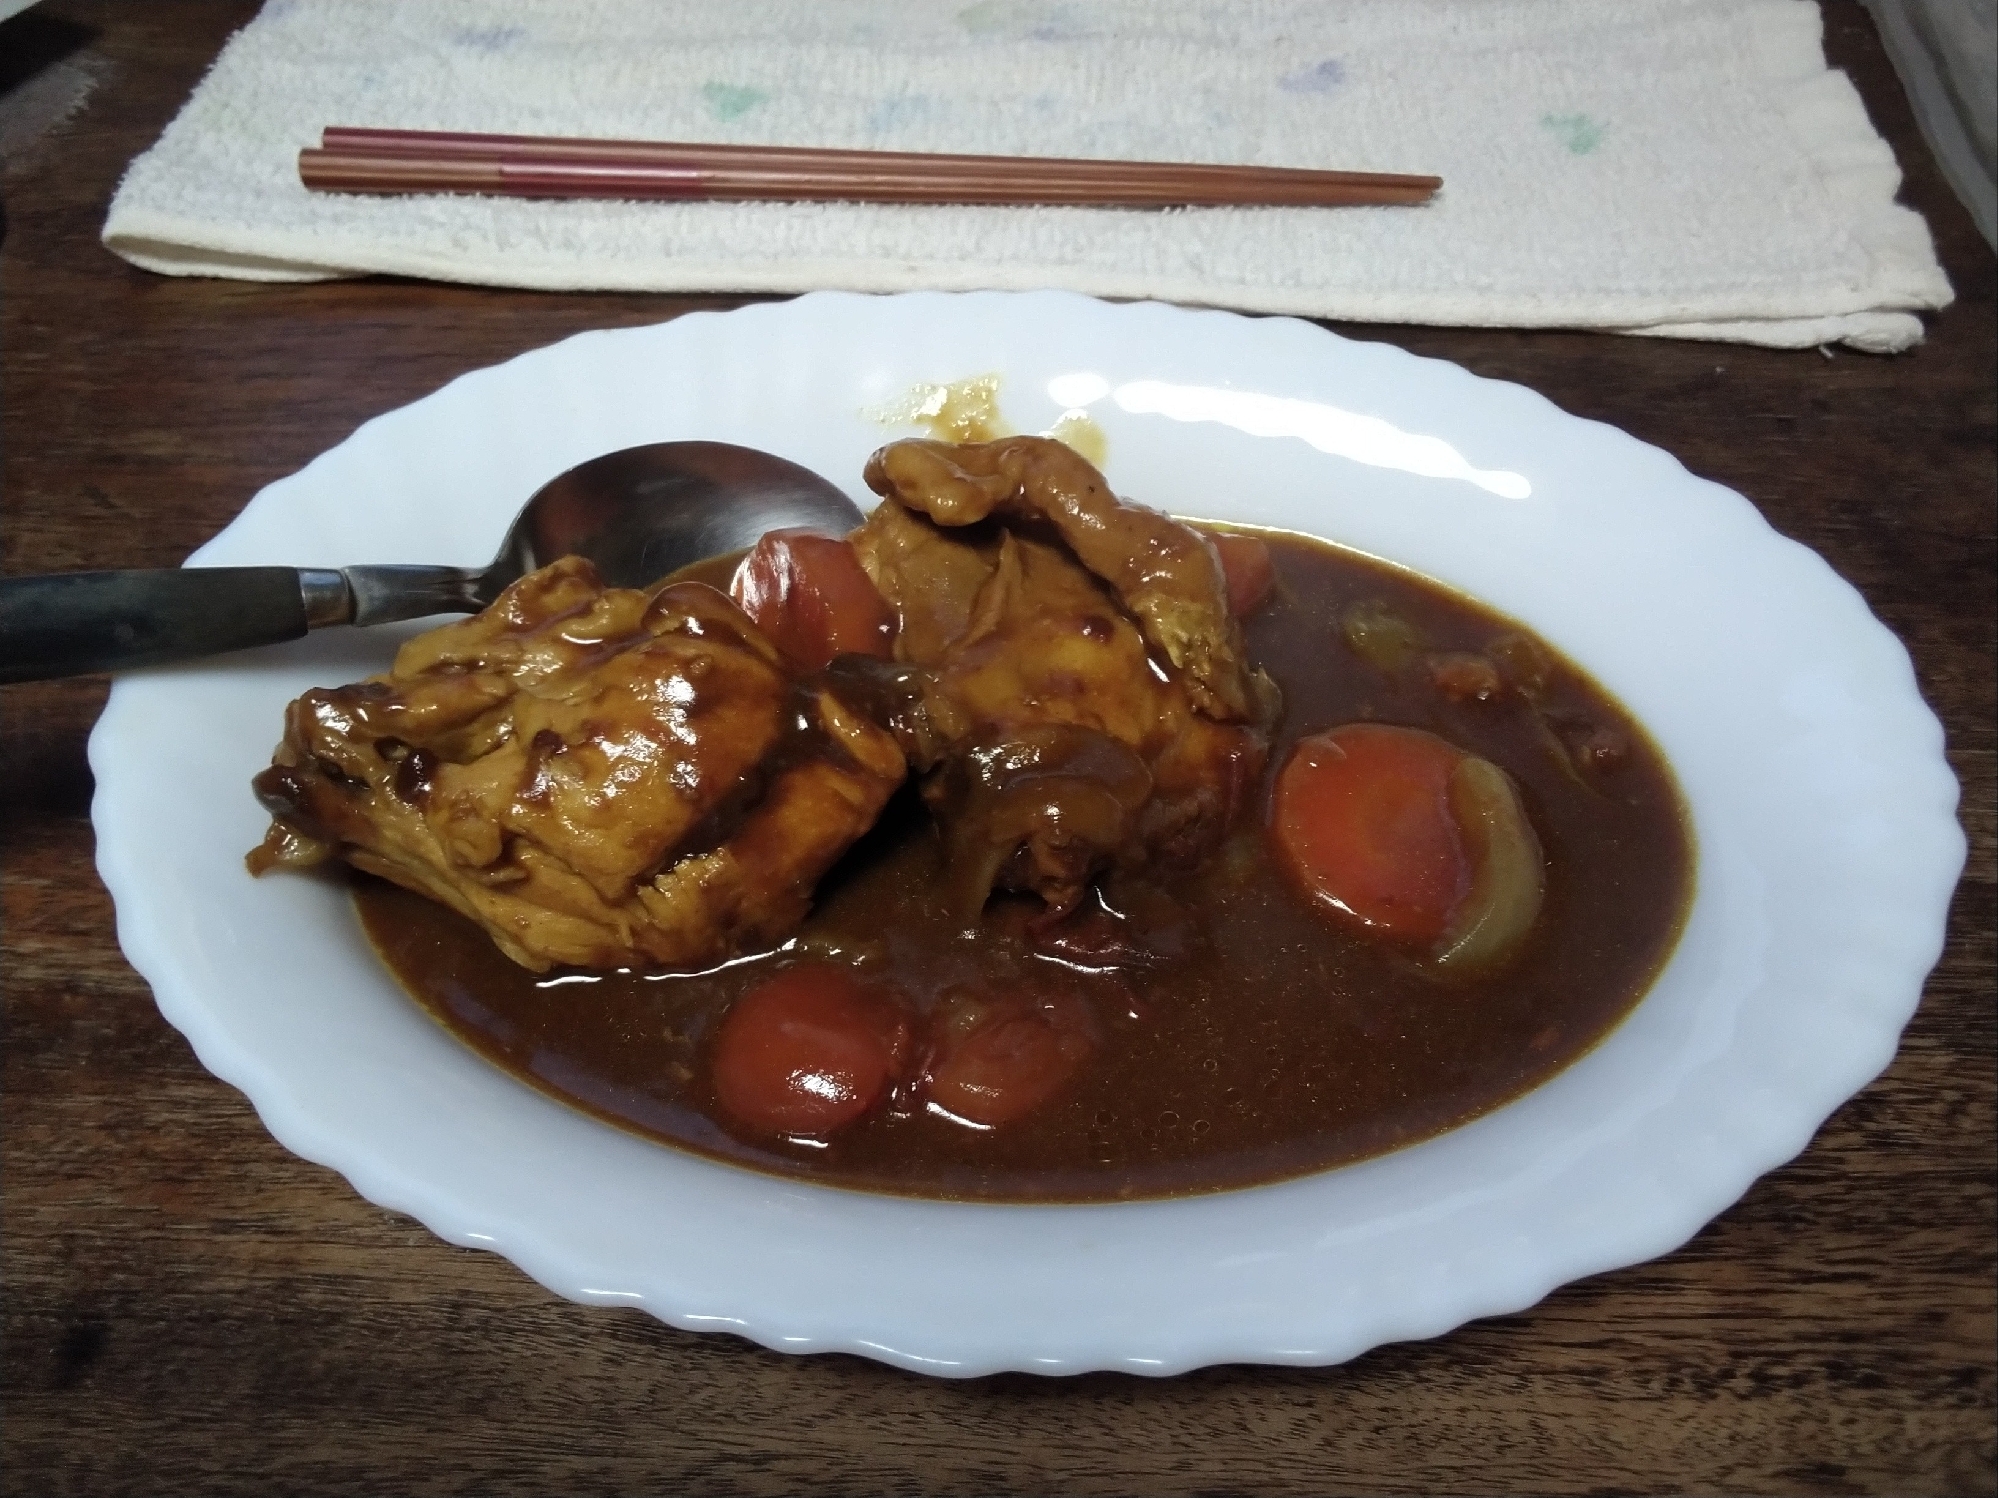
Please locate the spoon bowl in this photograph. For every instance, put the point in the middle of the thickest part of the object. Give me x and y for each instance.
(636, 514)
(646, 511)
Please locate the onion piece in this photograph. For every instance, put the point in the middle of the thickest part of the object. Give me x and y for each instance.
(1508, 879)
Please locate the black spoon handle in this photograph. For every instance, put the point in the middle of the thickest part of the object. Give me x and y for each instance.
(73, 623)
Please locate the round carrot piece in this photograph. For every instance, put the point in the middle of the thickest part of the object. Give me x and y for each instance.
(1248, 568)
(808, 1051)
(810, 595)
(1363, 820)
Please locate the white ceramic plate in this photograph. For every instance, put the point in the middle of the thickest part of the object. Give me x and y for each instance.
(1823, 809)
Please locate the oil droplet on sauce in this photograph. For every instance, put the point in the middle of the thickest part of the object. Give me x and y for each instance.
(968, 411)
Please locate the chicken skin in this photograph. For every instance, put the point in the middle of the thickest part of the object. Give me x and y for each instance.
(1084, 701)
(601, 777)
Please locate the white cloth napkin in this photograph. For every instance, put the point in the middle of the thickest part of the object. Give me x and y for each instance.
(1687, 168)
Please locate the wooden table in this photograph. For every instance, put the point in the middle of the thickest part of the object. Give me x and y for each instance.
(188, 1308)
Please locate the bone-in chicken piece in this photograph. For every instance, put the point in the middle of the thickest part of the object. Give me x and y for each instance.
(1036, 607)
(599, 777)
(1164, 573)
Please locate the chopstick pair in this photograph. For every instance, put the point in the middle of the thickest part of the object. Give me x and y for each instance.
(391, 162)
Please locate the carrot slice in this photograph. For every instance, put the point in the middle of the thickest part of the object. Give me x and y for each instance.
(1362, 817)
(996, 1061)
(809, 1051)
(1411, 837)
(808, 593)
(1248, 568)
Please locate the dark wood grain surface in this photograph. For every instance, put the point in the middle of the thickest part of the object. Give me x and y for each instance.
(190, 1309)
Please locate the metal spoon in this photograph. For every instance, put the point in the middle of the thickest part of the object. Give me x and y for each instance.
(637, 514)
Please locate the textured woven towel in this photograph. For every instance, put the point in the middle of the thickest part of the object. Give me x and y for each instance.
(1677, 167)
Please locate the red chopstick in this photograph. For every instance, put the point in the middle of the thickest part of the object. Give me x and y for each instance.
(354, 159)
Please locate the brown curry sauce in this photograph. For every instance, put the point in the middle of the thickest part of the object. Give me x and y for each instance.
(1260, 1040)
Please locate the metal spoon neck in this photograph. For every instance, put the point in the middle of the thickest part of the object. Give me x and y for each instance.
(328, 599)
(386, 594)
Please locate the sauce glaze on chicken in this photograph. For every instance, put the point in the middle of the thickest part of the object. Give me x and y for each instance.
(600, 777)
